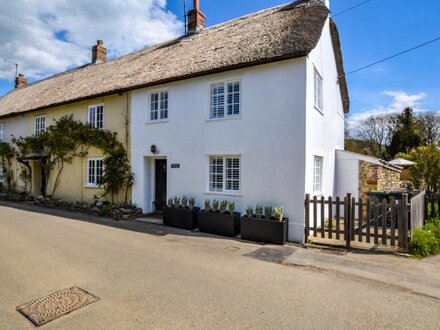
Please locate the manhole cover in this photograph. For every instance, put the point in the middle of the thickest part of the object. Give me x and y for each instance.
(43, 310)
(232, 248)
(275, 255)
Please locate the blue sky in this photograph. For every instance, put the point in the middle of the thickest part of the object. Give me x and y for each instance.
(371, 32)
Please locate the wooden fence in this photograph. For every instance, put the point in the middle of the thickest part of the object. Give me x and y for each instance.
(370, 221)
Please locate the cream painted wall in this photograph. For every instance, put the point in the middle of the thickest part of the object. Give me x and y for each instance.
(72, 181)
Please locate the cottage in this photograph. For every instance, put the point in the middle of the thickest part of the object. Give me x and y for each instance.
(251, 111)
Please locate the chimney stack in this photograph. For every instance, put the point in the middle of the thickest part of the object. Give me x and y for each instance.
(196, 19)
(99, 53)
(20, 81)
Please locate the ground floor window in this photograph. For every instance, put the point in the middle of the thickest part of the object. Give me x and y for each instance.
(95, 169)
(224, 174)
(317, 174)
(2, 176)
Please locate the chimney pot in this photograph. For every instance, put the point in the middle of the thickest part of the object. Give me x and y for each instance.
(99, 53)
(20, 81)
(196, 19)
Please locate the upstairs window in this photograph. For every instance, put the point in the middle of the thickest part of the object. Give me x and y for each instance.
(318, 91)
(317, 175)
(96, 116)
(2, 132)
(159, 106)
(39, 124)
(224, 174)
(95, 170)
(225, 99)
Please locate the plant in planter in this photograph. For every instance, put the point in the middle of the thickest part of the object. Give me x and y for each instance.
(231, 207)
(249, 211)
(220, 221)
(259, 211)
(215, 205)
(223, 206)
(268, 211)
(192, 202)
(179, 215)
(270, 229)
(207, 205)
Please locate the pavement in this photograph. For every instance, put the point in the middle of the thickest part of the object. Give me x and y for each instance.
(153, 277)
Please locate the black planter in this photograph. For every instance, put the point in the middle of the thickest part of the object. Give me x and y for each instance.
(219, 224)
(183, 218)
(265, 231)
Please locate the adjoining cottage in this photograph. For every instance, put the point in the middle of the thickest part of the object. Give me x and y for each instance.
(251, 110)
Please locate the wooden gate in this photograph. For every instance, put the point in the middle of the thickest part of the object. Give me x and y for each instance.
(369, 221)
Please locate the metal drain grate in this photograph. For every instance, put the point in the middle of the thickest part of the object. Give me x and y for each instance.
(46, 309)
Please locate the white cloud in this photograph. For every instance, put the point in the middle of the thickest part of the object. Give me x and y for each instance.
(28, 31)
(400, 101)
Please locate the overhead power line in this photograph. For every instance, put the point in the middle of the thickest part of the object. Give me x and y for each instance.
(351, 8)
(393, 56)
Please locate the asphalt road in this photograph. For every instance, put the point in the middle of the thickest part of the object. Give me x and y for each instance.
(172, 279)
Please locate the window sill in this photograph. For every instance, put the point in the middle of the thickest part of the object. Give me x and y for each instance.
(158, 121)
(319, 110)
(223, 193)
(92, 186)
(224, 118)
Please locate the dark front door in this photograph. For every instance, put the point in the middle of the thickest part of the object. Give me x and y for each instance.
(161, 184)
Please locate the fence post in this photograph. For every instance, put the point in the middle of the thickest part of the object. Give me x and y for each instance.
(347, 224)
(403, 223)
(307, 222)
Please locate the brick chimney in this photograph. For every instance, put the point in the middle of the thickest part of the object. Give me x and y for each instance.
(20, 81)
(196, 19)
(99, 53)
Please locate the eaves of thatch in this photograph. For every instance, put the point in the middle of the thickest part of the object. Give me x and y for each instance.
(280, 33)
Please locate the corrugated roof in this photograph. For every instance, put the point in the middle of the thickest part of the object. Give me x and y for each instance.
(279, 33)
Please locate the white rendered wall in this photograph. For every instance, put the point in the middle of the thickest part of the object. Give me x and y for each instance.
(269, 137)
(325, 130)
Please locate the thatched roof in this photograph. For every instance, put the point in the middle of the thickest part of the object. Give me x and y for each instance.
(283, 32)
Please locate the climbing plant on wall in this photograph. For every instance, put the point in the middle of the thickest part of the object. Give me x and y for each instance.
(68, 138)
(6, 156)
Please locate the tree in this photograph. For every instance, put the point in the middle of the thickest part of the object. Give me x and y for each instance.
(425, 174)
(429, 124)
(406, 135)
(378, 130)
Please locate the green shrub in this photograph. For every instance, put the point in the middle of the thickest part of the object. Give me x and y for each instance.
(105, 211)
(433, 226)
(424, 243)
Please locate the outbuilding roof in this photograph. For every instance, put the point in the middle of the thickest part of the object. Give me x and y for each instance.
(401, 162)
(280, 33)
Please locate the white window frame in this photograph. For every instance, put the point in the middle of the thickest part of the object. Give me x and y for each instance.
(93, 184)
(318, 83)
(2, 131)
(224, 179)
(39, 124)
(92, 116)
(163, 105)
(317, 174)
(213, 108)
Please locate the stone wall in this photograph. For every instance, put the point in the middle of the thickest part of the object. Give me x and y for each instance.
(377, 177)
